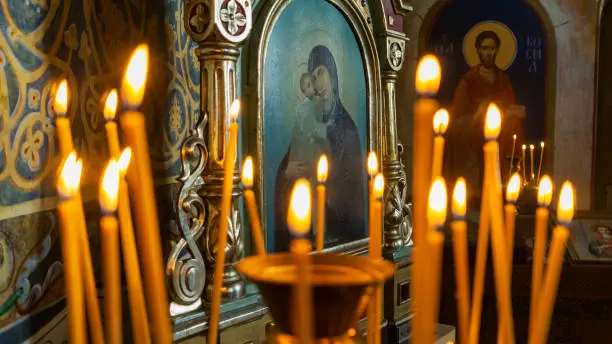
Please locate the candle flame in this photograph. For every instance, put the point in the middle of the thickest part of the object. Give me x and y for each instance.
(379, 186)
(70, 176)
(428, 75)
(298, 218)
(458, 207)
(124, 160)
(110, 105)
(545, 190)
(514, 137)
(524, 146)
(135, 78)
(372, 164)
(531, 147)
(440, 121)
(60, 104)
(565, 210)
(322, 169)
(493, 122)
(436, 214)
(247, 172)
(235, 109)
(542, 144)
(514, 188)
(110, 187)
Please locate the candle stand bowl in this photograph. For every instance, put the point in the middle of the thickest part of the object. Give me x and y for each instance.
(339, 285)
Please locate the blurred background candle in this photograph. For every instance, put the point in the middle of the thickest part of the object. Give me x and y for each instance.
(494, 197)
(140, 183)
(140, 325)
(436, 217)
(67, 188)
(460, 250)
(427, 84)
(111, 266)
(524, 148)
(62, 122)
(249, 197)
(541, 159)
(545, 191)
(299, 222)
(531, 152)
(565, 213)
(226, 204)
(512, 156)
(440, 124)
(321, 179)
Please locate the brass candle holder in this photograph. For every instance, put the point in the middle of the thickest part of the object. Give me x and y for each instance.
(339, 285)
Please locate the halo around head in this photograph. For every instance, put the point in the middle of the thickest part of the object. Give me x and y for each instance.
(507, 50)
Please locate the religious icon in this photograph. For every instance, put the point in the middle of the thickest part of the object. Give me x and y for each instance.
(601, 242)
(314, 103)
(591, 238)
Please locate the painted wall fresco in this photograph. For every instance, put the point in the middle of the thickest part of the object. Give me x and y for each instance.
(89, 42)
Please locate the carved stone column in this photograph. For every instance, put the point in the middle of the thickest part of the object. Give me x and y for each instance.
(391, 45)
(219, 28)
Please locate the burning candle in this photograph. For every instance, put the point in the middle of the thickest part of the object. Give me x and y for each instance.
(143, 195)
(460, 250)
(321, 179)
(299, 221)
(427, 84)
(565, 213)
(524, 148)
(67, 188)
(494, 197)
(541, 159)
(372, 165)
(226, 203)
(64, 135)
(249, 196)
(62, 122)
(440, 124)
(436, 216)
(512, 156)
(140, 325)
(110, 252)
(545, 191)
(375, 312)
(531, 151)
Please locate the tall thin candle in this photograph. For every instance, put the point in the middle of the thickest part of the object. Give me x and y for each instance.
(372, 165)
(226, 203)
(321, 179)
(440, 123)
(565, 213)
(427, 84)
(524, 148)
(512, 156)
(249, 197)
(109, 189)
(541, 159)
(299, 222)
(67, 187)
(460, 250)
(494, 197)
(531, 152)
(545, 191)
(140, 324)
(140, 182)
(378, 191)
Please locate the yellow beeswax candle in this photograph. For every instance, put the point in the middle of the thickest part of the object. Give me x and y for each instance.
(249, 197)
(321, 178)
(460, 250)
(440, 123)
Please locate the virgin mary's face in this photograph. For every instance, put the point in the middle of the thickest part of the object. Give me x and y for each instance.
(322, 82)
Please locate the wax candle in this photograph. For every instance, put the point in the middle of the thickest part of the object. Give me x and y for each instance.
(440, 123)
(62, 122)
(67, 188)
(249, 197)
(531, 151)
(321, 179)
(512, 156)
(545, 191)
(460, 250)
(111, 268)
(494, 197)
(372, 166)
(541, 159)
(565, 213)
(524, 148)
(226, 203)
(64, 135)
(140, 325)
(375, 313)
(140, 183)
(299, 222)
(427, 84)
(436, 216)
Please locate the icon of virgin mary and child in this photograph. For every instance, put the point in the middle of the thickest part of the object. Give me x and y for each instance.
(322, 125)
